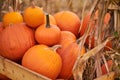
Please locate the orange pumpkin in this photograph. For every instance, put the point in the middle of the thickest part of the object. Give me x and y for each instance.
(52, 20)
(69, 52)
(15, 40)
(47, 34)
(33, 16)
(12, 17)
(67, 38)
(85, 23)
(68, 21)
(42, 59)
(69, 56)
(103, 67)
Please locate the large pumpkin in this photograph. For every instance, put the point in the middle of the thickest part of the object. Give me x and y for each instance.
(69, 52)
(68, 21)
(15, 40)
(42, 59)
(69, 56)
(33, 16)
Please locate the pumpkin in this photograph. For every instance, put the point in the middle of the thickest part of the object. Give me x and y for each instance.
(69, 56)
(33, 16)
(43, 60)
(103, 67)
(12, 17)
(15, 39)
(85, 23)
(69, 52)
(47, 34)
(52, 20)
(66, 38)
(68, 21)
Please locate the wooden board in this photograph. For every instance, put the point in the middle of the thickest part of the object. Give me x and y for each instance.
(109, 76)
(15, 71)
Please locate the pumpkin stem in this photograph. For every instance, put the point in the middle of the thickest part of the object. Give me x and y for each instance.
(33, 4)
(47, 21)
(55, 47)
(11, 9)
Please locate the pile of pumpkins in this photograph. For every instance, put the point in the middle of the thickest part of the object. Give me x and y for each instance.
(44, 43)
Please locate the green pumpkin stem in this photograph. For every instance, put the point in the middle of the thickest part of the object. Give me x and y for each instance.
(47, 21)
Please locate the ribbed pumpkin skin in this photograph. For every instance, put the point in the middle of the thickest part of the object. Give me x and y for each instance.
(68, 52)
(41, 59)
(67, 36)
(68, 21)
(48, 36)
(12, 18)
(15, 40)
(69, 56)
(33, 16)
(66, 39)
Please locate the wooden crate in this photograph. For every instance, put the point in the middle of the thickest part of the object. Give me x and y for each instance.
(15, 71)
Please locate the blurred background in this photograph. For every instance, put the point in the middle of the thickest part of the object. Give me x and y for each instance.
(50, 6)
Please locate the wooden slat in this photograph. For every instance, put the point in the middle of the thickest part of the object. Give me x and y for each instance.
(109, 76)
(15, 71)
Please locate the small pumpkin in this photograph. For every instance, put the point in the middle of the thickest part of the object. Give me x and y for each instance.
(68, 21)
(12, 17)
(48, 34)
(15, 40)
(42, 59)
(33, 16)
